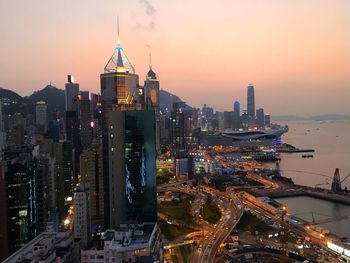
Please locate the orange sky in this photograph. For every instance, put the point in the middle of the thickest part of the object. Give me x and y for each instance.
(296, 52)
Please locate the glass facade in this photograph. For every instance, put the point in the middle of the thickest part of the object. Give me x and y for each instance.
(140, 170)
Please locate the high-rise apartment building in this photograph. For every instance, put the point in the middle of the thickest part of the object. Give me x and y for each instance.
(91, 178)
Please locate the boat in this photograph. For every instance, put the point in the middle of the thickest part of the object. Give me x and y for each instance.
(307, 156)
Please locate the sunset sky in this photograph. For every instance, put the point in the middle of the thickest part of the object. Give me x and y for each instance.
(295, 52)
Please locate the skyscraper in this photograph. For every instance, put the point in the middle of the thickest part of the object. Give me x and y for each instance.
(41, 114)
(128, 145)
(85, 119)
(71, 92)
(260, 116)
(16, 201)
(236, 115)
(152, 96)
(132, 159)
(250, 101)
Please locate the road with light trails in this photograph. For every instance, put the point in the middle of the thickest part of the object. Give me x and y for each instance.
(210, 246)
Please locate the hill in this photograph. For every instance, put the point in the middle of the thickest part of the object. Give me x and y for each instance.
(167, 99)
(54, 97)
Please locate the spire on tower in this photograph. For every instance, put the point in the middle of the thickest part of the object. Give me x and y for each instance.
(150, 60)
(118, 40)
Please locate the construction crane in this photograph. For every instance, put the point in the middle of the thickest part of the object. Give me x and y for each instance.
(336, 184)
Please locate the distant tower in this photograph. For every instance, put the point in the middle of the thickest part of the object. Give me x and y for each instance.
(236, 115)
(260, 115)
(336, 184)
(41, 114)
(251, 101)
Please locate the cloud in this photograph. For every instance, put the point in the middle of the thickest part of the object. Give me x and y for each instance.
(151, 25)
(150, 10)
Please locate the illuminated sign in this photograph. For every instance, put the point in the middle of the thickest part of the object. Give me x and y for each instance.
(335, 247)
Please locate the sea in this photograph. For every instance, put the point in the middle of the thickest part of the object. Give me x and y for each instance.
(331, 142)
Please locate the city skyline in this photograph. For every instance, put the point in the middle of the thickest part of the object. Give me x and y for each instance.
(289, 52)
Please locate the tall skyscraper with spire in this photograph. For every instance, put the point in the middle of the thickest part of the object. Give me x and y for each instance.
(128, 143)
(251, 105)
(152, 95)
(251, 101)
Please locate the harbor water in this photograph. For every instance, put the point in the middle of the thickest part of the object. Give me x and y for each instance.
(302, 206)
(331, 141)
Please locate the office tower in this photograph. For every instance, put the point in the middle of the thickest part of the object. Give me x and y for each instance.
(251, 102)
(71, 92)
(91, 178)
(119, 91)
(41, 114)
(132, 159)
(16, 202)
(236, 115)
(152, 96)
(260, 116)
(81, 215)
(85, 119)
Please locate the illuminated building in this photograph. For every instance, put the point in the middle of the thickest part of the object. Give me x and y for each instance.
(128, 145)
(16, 197)
(118, 77)
(132, 167)
(41, 114)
